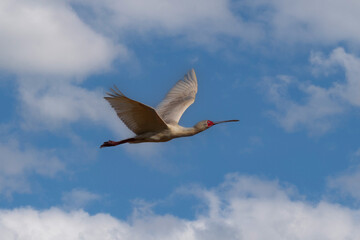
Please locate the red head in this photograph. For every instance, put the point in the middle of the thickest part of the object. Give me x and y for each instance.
(205, 124)
(210, 123)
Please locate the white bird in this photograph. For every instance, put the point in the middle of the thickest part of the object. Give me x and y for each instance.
(160, 124)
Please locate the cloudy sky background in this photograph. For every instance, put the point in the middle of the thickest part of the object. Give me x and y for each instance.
(289, 70)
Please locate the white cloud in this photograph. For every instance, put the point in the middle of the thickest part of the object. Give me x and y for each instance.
(78, 198)
(50, 106)
(318, 109)
(200, 21)
(237, 209)
(311, 21)
(347, 183)
(349, 90)
(27, 224)
(210, 21)
(47, 37)
(50, 48)
(18, 163)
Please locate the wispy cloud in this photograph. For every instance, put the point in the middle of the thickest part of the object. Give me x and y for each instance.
(307, 22)
(237, 209)
(19, 163)
(317, 109)
(347, 182)
(78, 199)
(201, 22)
(51, 106)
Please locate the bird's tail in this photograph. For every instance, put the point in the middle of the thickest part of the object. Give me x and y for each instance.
(113, 143)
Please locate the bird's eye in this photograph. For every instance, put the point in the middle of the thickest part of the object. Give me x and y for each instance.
(209, 123)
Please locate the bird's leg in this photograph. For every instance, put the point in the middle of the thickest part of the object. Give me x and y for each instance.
(113, 143)
(109, 144)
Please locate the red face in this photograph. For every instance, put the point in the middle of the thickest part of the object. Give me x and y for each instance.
(209, 123)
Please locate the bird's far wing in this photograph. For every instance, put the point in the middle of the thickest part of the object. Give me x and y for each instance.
(179, 98)
(138, 117)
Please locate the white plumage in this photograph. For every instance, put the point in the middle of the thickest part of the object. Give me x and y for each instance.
(179, 98)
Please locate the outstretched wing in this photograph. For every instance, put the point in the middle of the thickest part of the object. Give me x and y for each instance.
(138, 117)
(179, 98)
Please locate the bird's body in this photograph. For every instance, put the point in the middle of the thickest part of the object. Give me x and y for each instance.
(160, 124)
(174, 131)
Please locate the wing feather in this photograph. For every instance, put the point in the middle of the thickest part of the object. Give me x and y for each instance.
(179, 98)
(137, 116)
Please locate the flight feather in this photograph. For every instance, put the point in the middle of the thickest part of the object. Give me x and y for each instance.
(137, 116)
(178, 99)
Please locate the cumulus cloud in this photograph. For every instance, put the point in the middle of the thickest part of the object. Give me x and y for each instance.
(42, 37)
(18, 163)
(317, 110)
(237, 209)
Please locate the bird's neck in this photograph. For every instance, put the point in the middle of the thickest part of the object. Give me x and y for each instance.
(191, 131)
(180, 131)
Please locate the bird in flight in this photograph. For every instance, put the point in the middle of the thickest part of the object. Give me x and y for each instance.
(160, 124)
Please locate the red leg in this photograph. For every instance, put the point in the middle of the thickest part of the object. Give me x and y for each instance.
(113, 143)
(109, 144)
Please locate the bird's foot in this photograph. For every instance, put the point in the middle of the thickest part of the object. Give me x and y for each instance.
(109, 144)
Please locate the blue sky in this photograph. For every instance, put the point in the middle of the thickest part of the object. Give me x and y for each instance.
(289, 70)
